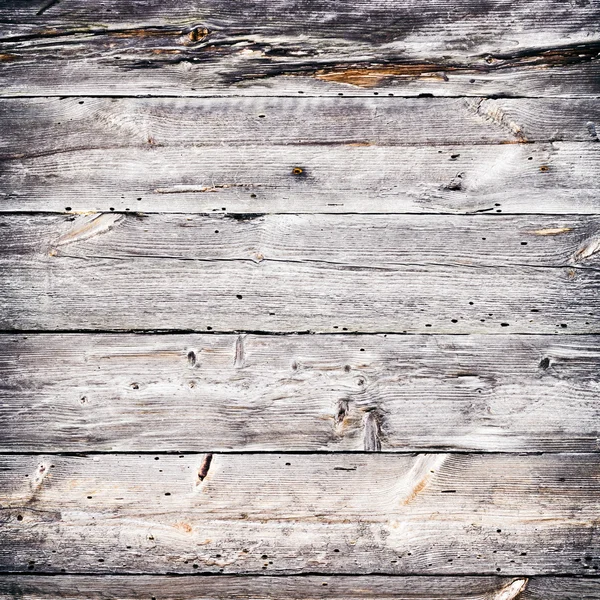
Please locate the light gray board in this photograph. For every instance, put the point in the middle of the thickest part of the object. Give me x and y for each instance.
(555, 177)
(42, 587)
(302, 155)
(41, 126)
(52, 282)
(370, 241)
(82, 393)
(318, 47)
(264, 513)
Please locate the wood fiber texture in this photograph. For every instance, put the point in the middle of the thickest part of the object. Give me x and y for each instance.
(299, 300)
(299, 393)
(300, 155)
(275, 47)
(347, 514)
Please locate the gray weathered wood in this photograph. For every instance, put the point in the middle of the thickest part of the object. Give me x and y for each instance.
(378, 241)
(309, 155)
(117, 587)
(544, 47)
(297, 273)
(558, 177)
(352, 513)
(81, 393)
(38, 126)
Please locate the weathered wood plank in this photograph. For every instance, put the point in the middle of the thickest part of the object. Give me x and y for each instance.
(40, 587)
(297, 273)
(310, 155)
(356, 513)
(380, 241)
(559, 177)
(213, 47)
(36, 126)
(81, 393)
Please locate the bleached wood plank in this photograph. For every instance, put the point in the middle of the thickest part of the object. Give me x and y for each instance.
(216, 47)
(99, 273)
(37, 126)
(302, 155)
(377, 241)
(557, 177)
(82, 393)
(358, 513)
(283, 588)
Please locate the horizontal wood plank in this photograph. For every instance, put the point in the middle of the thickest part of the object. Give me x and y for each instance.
(216, 47)
(40, 126)
(311, 155)
(301, 273)
(378, 241)
(79, 393)
(356, 513)
(298, 588)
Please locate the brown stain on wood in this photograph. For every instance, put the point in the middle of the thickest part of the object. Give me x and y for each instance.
(552, 231)
(371, 76)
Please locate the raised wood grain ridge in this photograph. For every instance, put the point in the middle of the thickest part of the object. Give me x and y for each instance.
(297, 273)
(297, 588)
(544, 47)
(80, 393)
(264, 513)
(257, 155)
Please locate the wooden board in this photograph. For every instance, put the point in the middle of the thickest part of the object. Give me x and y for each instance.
(556, 177)
(269, 513)
(117, 272)
(362, 155)
(299, 299)
(43, 126)
(544, 47)
(298, 393)
(298, 588)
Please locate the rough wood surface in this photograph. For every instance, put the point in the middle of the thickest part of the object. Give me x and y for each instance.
(262, 513)
(557, 177)
(378, 241)
(361, 168)
(49, 125)
(302, 155)
(544, 47)
(298, 273)
(297, 588)
(303, 393)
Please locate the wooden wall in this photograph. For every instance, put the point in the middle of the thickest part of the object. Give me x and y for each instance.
(299, 299)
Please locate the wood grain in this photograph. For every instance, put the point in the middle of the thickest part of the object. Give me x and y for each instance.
(554, 178)
(353, 513)
(362, 155)
(81, 393)
(288, 273)
(274, 47)
(297, 588)
(38, 126)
